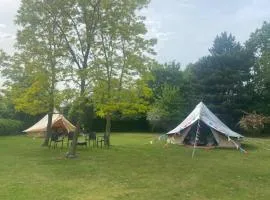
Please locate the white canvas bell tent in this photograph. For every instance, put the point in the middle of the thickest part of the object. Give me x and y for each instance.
(58, 121)
(211, 130)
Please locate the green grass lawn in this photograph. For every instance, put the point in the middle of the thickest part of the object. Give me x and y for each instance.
(133, 169)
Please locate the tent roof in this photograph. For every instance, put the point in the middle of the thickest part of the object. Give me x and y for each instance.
(58, 121)
(201, 112)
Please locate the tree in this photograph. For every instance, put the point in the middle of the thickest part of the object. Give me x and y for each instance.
(259, 47)
(77, 23)
(169, 86)
(38, 61)
(78, 33)
(131, 100)
(7, 109)
(25, 85)
(167, 109)
(121, 60)
(70, 28)
(222, 80)
(22, 83)
(86, 116)
(4, 59)
(167, 74)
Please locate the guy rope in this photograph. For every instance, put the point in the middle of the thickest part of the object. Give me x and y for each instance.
(196, 138)
(237, 145)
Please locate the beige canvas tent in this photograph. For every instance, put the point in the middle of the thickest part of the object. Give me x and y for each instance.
(58, 121)
(211, 130)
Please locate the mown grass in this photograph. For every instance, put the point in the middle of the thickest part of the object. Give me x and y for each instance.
(133, 169)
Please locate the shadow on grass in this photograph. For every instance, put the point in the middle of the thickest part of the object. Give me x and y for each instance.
(249, 147)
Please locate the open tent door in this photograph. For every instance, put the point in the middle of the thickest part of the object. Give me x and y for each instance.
(205, 136)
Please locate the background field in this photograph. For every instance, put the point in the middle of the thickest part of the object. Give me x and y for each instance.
(133, 169)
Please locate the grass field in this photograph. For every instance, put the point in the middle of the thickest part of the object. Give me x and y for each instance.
(133, 169)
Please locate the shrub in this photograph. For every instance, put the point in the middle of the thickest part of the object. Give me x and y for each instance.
(253, 122)
(10, 126)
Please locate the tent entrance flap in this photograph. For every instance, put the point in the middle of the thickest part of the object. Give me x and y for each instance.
(205, 136)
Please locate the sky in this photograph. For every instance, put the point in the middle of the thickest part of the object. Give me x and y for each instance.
(185, 29)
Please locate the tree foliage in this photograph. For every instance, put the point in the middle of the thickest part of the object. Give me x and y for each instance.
(26, 85)
(4, 59)
(167, 109)
(259, 46)
(169, 105)
(36, 66)
(122, 56)
(222, 80)
(10, 126)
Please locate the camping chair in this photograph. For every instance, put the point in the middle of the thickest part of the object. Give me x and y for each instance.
(92, 136)
(56, 139)
(102, 140)
(70, 137)
(79, 143)
(82, 143)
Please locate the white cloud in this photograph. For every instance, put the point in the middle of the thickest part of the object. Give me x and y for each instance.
(10, 3)
(253, 11)
(164, 35)
(152, 23)
(3, 26)
(4, 36)
(185, 4)
(154, 28)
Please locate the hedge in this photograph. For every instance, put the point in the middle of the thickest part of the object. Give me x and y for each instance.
(10, 126)
(139, 125)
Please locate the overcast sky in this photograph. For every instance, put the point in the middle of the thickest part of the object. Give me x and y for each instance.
(185, 29)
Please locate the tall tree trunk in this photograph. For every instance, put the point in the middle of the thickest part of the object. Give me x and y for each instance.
(82, 90)
(51, 101)
(49, 129)
(108, 130)
(48, 133)
(72, 150)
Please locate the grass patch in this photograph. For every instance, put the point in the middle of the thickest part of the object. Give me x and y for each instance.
(133, 169)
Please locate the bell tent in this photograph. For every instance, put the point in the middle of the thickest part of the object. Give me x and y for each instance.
(203, 128)
(58, 122)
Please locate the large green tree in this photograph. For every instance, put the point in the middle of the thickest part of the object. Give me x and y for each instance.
(167, 109)
(77, 23)
(6, 110)
(122, 57)
(4, 59)
(85, 32)
(63, 32)
(222, 80)
(259, 47)
(169, 104)
(36, 67)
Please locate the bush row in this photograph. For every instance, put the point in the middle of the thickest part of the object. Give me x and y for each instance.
(139, 125)
(10, 126)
